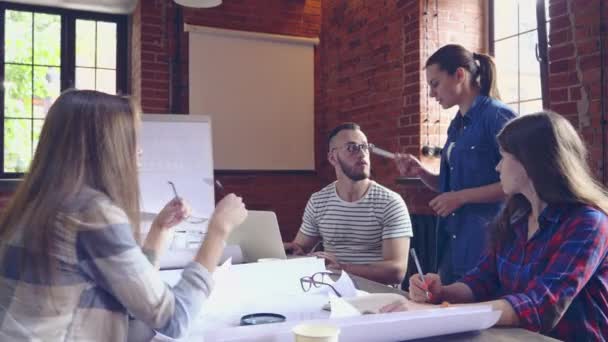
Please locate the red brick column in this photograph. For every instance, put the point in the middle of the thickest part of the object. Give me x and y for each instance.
(575, 69)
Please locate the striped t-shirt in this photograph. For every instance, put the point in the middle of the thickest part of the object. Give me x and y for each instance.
(353, 231)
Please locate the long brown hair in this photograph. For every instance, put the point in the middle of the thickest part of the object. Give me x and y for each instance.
(89, 139)
(555, 159)
(481, 66)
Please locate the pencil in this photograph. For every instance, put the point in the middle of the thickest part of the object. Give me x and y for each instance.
(413, 253)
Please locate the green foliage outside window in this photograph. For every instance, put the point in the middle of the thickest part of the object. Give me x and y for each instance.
(33, 68)
(31, 83)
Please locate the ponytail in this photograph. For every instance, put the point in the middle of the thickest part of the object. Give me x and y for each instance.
(487, 75)
(481, 67)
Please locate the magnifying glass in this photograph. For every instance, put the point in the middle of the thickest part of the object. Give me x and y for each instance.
(262, 318)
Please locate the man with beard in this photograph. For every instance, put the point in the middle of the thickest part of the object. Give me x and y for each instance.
(365, 228)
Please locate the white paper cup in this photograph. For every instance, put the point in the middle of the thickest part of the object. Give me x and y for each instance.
(311, 332)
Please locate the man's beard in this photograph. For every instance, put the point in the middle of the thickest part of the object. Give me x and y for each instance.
(350, 172)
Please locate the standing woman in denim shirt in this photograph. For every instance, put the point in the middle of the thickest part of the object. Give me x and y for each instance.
(468, 182)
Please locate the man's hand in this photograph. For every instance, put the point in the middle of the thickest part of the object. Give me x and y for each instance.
(330, 260)
(293, 249)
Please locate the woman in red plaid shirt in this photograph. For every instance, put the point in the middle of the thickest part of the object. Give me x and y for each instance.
(546, 268)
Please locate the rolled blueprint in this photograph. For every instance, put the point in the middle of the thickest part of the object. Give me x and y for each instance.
(383, 153)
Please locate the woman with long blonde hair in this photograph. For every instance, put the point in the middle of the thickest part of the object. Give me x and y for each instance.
(71, 267)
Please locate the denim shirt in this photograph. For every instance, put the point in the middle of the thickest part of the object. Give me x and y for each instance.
(468, 160)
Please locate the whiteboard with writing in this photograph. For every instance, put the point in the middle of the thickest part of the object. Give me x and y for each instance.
(177, 148)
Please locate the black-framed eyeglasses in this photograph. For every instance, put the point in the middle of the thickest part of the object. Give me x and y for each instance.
(354, 148)
(189, 219)
(317, 280)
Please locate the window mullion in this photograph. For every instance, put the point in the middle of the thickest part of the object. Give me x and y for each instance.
(491, 22)
(33, 89)
(2, 56)
(518, 62)
(541, 24)
(122, 42)
(68, 51)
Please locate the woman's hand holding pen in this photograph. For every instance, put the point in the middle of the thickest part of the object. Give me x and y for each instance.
(432, 285)
(229, 213)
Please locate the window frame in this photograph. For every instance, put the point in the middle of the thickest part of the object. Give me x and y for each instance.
(68, 54)
(542, 47)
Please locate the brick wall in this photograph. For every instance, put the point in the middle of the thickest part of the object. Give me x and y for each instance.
(368, 70)
(365, 49)
(371, 60)
(575, 69)
(135, 52)
(422, 121)
(164, 69)
(446, 22)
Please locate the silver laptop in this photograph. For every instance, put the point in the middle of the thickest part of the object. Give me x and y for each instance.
(259, 237)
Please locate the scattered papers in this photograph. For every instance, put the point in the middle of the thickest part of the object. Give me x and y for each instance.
(345, 286)
(275, 287)
(362, 305)
(341, 308)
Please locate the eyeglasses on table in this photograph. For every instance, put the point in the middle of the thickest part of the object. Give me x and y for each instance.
(317, 280)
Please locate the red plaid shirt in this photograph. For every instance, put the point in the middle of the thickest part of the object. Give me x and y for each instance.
(557, 281)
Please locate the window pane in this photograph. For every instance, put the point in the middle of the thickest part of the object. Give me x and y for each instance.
(106, 81)
(37, 129)
(47, 86)
(106, 45)
(505, 18)
(17, 144)
(506, 66)
(85, 43)
(514, 106)
(527, 15)
(18, 37)
(85, 78)
(18, 91)
(47, 39)
(529, 71)
(530, 107)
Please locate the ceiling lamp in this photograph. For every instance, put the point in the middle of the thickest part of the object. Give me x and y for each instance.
(199, 3)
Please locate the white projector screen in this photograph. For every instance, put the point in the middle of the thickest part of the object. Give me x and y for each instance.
(259, 91)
